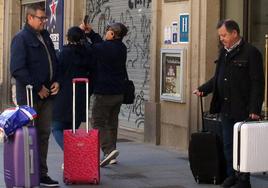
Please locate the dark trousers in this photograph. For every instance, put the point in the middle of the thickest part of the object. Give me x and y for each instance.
(43, 127)
(228, 131)
(105, 110)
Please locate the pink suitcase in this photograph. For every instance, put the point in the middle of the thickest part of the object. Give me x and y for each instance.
(250, 152)
(21, 158)
(81, 150)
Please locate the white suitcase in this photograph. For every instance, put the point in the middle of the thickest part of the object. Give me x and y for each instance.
(250, 151)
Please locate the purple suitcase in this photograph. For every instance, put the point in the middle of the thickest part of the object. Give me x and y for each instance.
(21, 157)
(21, 161)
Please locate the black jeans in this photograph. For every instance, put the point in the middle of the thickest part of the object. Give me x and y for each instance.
(228, 131)
(43, 127)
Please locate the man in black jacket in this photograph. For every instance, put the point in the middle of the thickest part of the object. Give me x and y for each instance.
(33, 61)
(238, 91)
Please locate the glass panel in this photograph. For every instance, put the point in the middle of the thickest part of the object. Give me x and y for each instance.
(234, 10)
(258, 23)
(23, 2)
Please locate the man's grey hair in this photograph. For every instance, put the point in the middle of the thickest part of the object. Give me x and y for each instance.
(32, 8)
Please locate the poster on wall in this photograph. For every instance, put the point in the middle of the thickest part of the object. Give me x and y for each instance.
(172, 74)
(184, 28)
(172, 79)
(54, 11)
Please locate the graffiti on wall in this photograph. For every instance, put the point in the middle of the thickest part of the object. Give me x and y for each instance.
(135, 15)
(135, 3)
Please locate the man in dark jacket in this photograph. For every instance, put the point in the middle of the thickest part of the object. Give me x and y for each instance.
(33, 61)
(109, 75)
(238, 91)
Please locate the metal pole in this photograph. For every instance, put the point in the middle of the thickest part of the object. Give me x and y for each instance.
(266, 79)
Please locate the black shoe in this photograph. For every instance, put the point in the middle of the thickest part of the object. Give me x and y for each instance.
(242, 184)
(229, 181)
(243, 181)
(48, 182)
(109, 157)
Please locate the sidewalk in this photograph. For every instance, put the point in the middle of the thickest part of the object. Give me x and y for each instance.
(140, 166)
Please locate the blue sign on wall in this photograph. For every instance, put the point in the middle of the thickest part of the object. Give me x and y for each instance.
(54, 11)
(184, 27)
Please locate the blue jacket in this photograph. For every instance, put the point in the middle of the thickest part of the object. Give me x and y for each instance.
(109, 68)
(29, 62)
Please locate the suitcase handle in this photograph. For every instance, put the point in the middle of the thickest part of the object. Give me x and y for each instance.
(29, 94)
(202, 112)
(76, 80)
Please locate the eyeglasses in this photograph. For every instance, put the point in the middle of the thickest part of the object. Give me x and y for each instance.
(41, 18)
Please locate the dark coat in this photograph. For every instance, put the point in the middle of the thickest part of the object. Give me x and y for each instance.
(243, 83)
(74, 63)
(109, 68)
(29, 62)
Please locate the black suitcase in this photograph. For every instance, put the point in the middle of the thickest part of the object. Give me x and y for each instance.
(212, 123)
(206, 156)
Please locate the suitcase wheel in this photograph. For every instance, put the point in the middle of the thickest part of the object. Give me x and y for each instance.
(65, 180)
(197, 179)
(96, 182)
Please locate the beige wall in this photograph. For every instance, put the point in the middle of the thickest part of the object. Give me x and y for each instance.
(74, 11)
(174, 116)
(179, 120)
(1, 39)
(11, 20)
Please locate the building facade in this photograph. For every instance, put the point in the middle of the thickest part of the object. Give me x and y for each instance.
(172, 45)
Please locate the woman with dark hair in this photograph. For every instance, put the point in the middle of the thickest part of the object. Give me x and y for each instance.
(74, 61)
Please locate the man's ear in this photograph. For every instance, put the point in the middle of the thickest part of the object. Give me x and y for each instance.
(29, 17)
(112, 33)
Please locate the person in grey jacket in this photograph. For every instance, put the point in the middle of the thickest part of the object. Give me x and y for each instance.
(33, 61)
(238, 91)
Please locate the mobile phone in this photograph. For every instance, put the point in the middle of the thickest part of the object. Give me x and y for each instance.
(86, 19)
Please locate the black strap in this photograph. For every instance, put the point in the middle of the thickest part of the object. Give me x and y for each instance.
(202, 112)
(126, 72)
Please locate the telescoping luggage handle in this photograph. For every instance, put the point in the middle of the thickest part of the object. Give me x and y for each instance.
(77, 80)
(202, 112)
(29, 95)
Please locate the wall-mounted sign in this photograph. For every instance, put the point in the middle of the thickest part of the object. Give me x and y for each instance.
(175, 32)
(172, 74)
(54, 11)
(184, 28)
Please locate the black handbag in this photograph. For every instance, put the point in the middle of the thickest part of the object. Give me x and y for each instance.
(129, 94)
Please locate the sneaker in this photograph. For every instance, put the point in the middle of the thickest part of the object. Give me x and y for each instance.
(109, 157)
(48, 182)
(113, 161)
(229, 181)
